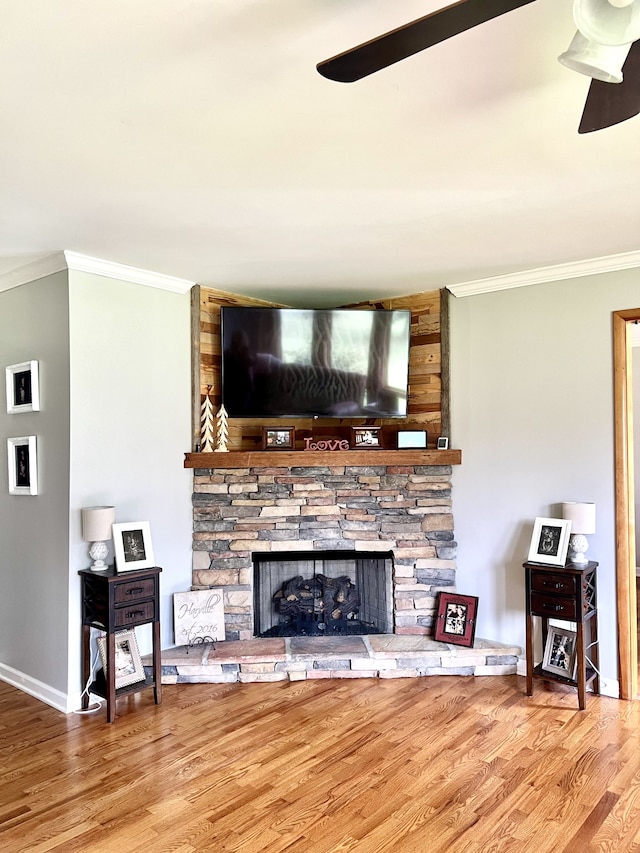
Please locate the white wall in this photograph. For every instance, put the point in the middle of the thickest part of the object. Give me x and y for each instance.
(114, 425)
(34, 531)
(130, 428)
(532, 410)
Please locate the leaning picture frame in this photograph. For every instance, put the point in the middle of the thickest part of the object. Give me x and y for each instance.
(560, 652)
(23, 387)
(128, 663)
(23, 465)
(550, 541)
(132, 546)
(456, 619)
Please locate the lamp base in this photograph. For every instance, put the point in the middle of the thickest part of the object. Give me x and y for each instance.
(98, 552)
(578, 546)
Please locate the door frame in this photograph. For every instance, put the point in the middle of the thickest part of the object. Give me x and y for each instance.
(625, 503)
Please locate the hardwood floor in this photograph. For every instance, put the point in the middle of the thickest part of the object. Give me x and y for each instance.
(423, 765)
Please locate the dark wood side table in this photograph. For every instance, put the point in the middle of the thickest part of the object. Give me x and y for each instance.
(567, 593)
(113, 602)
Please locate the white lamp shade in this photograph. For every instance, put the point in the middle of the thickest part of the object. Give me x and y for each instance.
(581, 515)
(96, 523)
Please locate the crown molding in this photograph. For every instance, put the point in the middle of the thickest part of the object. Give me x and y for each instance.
(32, 271)
(60, 261)
(109, 269)
(542, 275)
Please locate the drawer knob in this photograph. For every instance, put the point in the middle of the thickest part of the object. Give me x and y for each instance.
(133, 613)
(136, 590)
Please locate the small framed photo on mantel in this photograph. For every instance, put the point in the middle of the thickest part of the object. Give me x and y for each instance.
(279, 438)
(365, 438)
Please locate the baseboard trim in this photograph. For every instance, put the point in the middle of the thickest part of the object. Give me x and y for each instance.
(38, 689)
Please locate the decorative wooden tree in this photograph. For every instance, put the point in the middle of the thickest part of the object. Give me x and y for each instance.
(222, 429)
(206, 425)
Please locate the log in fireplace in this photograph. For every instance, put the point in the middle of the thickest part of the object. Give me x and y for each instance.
(322, 593)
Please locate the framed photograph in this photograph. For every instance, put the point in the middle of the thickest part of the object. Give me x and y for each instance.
(550, 541)
(128, 662)
(132, 546)
(560, 652)
(278, 438)
(442, 443)
(365, 437)
(23, 391)
(23, 465)
(456, 620)
(412, 438)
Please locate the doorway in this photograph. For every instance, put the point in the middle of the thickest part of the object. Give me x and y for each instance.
(625, 502)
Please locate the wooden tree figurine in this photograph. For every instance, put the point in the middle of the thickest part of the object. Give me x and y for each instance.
(206, 424)
(222, 429)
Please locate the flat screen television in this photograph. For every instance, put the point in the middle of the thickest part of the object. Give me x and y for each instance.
(328, 363)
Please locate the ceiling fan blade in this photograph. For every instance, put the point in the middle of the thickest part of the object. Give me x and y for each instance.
(411, 38)
(610, 103)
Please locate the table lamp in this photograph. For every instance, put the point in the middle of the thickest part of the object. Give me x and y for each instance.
(583, 522)
(96, 528)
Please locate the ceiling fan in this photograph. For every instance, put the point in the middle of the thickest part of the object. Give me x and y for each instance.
(608, 31)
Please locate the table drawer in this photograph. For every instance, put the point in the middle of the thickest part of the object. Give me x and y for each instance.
(134, 590)
(559, 607)
(137, 613)
(556, 584)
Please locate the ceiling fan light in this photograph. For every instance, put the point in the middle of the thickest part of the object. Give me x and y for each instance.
(600, 61)
(606, 23)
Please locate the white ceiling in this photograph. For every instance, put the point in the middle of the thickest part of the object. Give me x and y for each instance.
(195, 138)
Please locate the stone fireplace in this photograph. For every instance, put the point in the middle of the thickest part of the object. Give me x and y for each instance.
(400, 512)
(387, 516)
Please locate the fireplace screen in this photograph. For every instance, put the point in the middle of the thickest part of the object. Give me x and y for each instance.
(324, 593)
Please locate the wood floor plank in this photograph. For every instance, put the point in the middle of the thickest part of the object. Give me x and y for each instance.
(325, 766)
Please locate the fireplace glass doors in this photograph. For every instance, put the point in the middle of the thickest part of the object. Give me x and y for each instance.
(322, 593)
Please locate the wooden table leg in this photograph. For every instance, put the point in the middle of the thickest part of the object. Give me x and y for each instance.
(157, 664)
(582, 667)
(529, 651)
(111, 677)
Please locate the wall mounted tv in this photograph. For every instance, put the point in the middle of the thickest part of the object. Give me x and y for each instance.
(329, 363)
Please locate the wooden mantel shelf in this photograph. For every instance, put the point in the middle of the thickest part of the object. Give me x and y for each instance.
(313, 458)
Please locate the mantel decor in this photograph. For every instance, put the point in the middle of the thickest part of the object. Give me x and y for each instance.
(365, 437)
(330, 444)
(278, 438)
(316, 456)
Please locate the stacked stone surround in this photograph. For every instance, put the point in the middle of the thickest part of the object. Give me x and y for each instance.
(405, 509)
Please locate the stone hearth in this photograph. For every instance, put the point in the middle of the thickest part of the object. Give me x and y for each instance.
(299, 658)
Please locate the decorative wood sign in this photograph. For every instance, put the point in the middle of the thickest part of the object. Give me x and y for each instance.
(198, 617)
(326, 444)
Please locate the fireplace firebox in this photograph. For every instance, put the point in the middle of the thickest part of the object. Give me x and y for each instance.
(322, 593)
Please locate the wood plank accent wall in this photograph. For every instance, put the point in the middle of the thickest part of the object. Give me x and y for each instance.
(425, 404)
